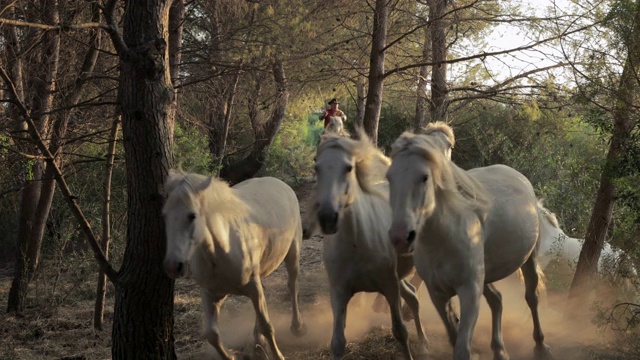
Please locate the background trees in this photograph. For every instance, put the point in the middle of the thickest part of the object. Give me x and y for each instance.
(235, 89)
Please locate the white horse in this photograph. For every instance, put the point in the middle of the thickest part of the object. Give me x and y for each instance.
(352, 205)
(471, 228)
(442, 133)
(336, 126)
(232, 237)
(557, 245)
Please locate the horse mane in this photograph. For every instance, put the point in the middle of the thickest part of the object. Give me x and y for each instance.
(458, 187)
(443, 128)
(551, 217)
(371, 163)
(219, 196)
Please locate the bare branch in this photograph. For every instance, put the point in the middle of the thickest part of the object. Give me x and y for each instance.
(104, 264)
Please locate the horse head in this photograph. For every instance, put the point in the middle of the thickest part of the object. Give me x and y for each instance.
(183, 220)
(343, 168)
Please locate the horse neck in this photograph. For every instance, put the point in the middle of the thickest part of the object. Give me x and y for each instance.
(364, 217)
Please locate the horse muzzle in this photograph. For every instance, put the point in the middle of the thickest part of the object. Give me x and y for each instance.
(402, 238)
(174, 269)
(328, 219)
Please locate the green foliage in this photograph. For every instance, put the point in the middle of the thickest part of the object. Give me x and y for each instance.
(393, 122)
(560, 154)
(292, 151)
(191, 151)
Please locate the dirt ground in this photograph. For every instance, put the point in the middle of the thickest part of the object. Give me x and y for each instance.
(63, 329)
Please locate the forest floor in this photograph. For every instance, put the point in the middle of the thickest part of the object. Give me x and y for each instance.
(62, 329)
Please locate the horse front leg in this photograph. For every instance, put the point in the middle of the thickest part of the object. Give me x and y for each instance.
(255, 292)
(392, 293)
(407, 291)
(415, 281)
(442, 303)
(211, 308)
(340, 297)
(530, 272)
(469, 309)
(494, 299)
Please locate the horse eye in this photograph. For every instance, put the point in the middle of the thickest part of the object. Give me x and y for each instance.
(349, 168)
(425, 178)
(191, 217)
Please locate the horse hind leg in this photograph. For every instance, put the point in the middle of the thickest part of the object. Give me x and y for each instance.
(407, 291)
(494, 299)
(392, 293)
(531, 281)
(292, 263)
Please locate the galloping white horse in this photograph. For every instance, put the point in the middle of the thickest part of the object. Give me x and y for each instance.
(233, 236)
(558, 245)
(352, 203)
(336, 126)
(471, 228)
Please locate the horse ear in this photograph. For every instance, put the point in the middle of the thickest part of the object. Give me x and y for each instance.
(203, 185)
(173, 179)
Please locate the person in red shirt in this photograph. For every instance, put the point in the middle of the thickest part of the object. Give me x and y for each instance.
(333, 111)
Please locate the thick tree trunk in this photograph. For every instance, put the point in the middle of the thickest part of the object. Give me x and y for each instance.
(30, 189)
(624, 121)
(101, 289)
(39, 202)
(439, 90)
(360, 101)
(376, 69)
(264, 132)
(143, 314)
(422, 100)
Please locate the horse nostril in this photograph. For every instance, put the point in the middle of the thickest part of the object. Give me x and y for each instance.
(334, 218)
(411, 237)
(179, 268)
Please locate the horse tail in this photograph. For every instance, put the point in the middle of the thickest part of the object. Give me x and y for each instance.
(542, 280)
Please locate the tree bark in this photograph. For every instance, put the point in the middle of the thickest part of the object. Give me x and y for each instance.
(360, 101)
(37, 202)
(423, 80)
(143, 314)
(624, 121)
(439, 49)
(373, 105)
(101, 289)
(264, 132)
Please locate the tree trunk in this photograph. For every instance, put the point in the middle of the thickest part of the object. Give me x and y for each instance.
(373, 105)
(439, 50)
(624, 122)
(423, 80)
(264, 132)
(30, 189)
(360, 102)
(143, 313)
(37, 207)
(101, 289)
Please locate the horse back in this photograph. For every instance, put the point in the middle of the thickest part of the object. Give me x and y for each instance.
(274, 218)
(512, 223)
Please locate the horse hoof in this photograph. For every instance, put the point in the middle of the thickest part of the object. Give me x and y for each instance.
(542, 352)
(300, 330)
